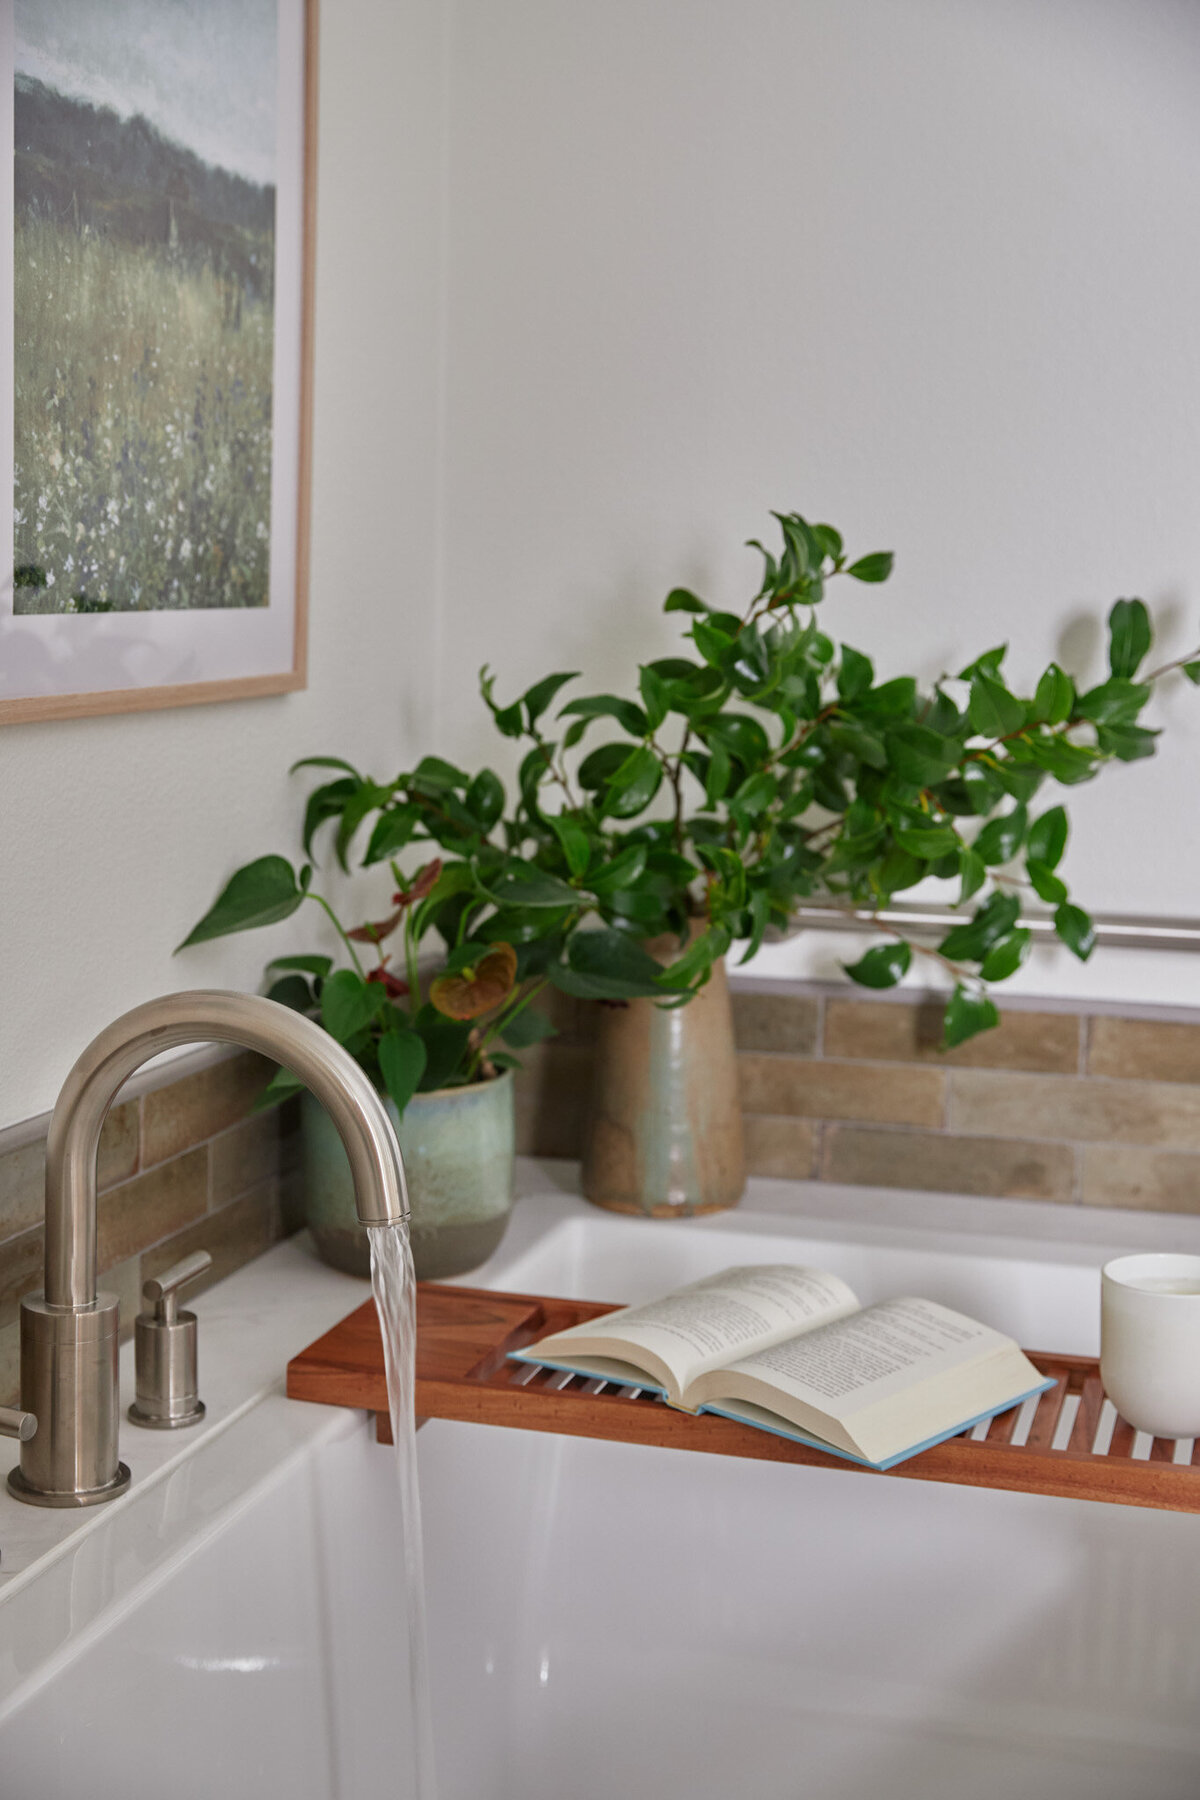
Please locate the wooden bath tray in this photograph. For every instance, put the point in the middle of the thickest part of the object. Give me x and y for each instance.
(1067, 1442)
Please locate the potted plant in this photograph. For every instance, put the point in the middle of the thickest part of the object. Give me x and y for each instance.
(765, 766)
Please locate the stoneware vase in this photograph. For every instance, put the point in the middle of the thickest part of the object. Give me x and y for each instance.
(665, 1133)
(457, 1145)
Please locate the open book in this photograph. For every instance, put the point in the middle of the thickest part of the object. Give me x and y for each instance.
(790, 1350)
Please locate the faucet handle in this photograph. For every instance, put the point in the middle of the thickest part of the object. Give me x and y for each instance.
(17, 1424)
(165, 1351)
(163, 1290)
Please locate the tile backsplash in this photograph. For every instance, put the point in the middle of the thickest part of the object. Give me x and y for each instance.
(1059, 1104)
(182, 1167)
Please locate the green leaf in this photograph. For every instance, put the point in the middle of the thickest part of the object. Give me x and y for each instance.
(1001, 838)
(1115, 702)
(537, 698)
(1130, 636)
(967, 1014)
(973, 871)
(894, 699)
(1128, 743)
(324, 803)
(1048, 838)
(993, 711)
(598, 768)
(282, 1085)
(988, 664)
(1076, 930)
(534, 889)
(859, 741)
(927, 841)
(992, 921)
(1067, 762)
(1054, 698)
(633, 786)
(829, 539)
(291, 991)
(1046, 885)
(683, 600)
(1005, 958)
(508, 718)
(304, 965)
(881, 967)
(393, 830)
(606, 965)
(446, 1042)
(484, 799)
(528, 1027)
(629, 717)
(875, 567)
(348, 1004)
(402, 1059)
(325, 762)
(691, 969)
(712, 643)
(576, 845)
(855, 674)
(623, 871)
(261, 893)
(920, 755)
(433, 775)
(720, 769)
(1192, 671)
(656, 696)
(755, 794)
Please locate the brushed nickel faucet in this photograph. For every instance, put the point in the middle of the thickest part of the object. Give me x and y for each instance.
(69, 1331)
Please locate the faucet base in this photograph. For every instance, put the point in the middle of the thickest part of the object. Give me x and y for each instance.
(21, 1489)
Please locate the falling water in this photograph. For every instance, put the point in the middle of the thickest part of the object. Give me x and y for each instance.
(394, 1282)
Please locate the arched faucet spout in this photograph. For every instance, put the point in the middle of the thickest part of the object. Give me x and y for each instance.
(68, 1334)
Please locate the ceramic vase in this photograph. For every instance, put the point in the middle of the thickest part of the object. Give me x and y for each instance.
(664, 1136)
(457, 1146)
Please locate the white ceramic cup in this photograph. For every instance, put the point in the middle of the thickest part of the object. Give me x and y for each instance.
(1150, 1342)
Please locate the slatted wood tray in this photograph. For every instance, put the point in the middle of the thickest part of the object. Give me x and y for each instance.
(1069, 1441)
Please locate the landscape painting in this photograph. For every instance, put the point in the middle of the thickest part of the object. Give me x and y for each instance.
(144, 219)
(160, 262)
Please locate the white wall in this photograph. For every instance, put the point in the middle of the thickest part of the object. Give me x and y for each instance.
(927, 268)
(116, 833)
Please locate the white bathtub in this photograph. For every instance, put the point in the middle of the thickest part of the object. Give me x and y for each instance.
(608, 1622)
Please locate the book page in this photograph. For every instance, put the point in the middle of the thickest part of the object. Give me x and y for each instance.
(865, 1360)
(706, 1324)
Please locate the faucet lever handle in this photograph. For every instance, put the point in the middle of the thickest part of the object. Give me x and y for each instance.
(163, 1290)
(17, 1424)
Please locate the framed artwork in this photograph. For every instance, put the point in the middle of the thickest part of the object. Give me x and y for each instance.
(156, 261)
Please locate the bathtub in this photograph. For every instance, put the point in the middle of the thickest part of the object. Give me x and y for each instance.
(609, 1622)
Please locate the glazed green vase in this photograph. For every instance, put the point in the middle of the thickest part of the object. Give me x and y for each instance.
(457, 1146)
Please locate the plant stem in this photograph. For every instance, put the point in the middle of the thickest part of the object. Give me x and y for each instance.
(502, 1019)
(338, 927)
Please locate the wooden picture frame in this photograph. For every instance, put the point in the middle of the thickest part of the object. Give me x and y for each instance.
(163, 646)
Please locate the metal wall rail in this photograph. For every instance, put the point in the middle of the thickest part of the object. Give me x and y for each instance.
(1112, 929)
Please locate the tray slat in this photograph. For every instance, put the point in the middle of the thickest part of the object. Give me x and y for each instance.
(464, 1336)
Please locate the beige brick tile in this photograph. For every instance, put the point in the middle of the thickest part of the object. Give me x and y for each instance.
(815, 1089)
(22, 1269)
(775, 1022)
(780, 1147)
(152, 1206)
(1144, 1050)
(1164, 1114)
(1128, 1175)
(553, 1093)
(900, 1033)
(188, 1111)
(233, 1236)
(938, 1163)
(22, 1188)
(246, 1155)
(10, 1366)
(118, 1145)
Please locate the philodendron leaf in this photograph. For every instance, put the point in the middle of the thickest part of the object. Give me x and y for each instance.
(348, 1004)
(303, 965)
(402, 1058)
(881, 967)
(1130, 636)
(261, 893)
(1048, 838)
(1076, 930)
(292, 991)
(529, 1026)
(967, 1014)
(282, 1085)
